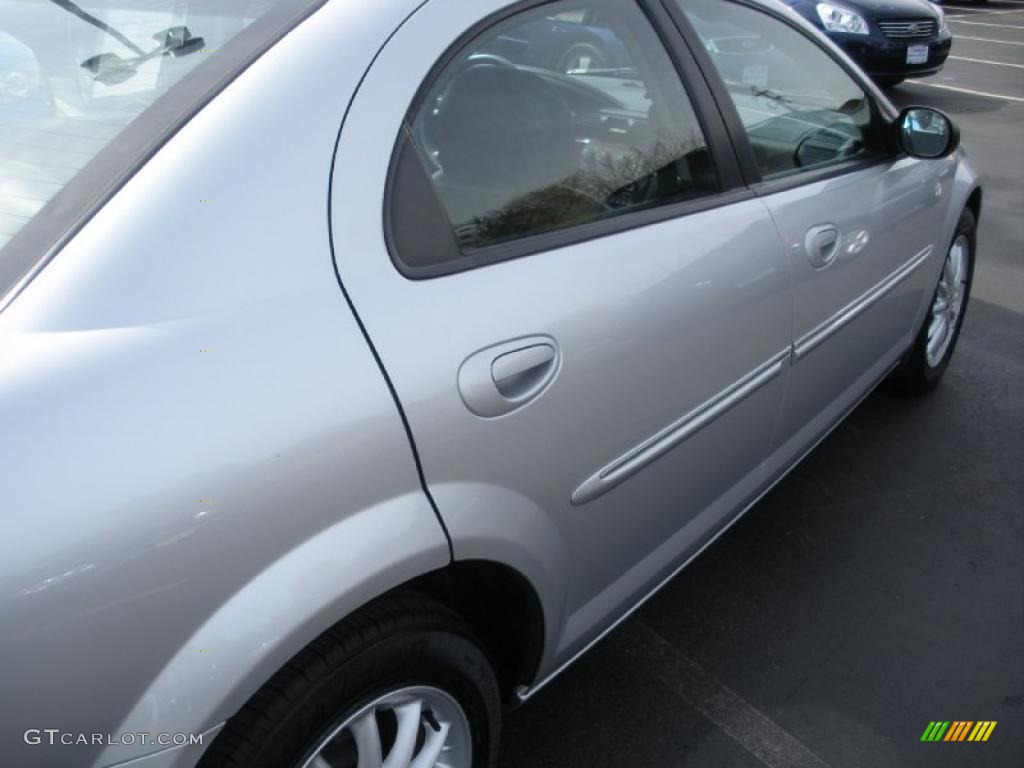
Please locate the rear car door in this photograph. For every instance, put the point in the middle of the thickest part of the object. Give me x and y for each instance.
(584, 313)
(859, 225)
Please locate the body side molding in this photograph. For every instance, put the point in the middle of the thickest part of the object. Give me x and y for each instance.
(817, 335)
(656, 446)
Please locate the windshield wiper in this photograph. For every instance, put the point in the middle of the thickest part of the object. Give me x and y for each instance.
(630, 72)
(772, 95)
(70, 7)
(109, 68)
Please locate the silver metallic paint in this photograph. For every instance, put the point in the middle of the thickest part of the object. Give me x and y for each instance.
(184, 756)
(115, 574)
(888, 214)
(658, 445)
(843, 317)
(484, 374)
(716, 280)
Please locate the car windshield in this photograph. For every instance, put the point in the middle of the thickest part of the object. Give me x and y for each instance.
(74, 75)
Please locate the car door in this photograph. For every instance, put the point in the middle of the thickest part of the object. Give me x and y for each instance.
(859, 225)
(584, 314)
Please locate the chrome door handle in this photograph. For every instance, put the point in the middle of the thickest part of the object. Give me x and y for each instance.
(504, 377)
(822, 245)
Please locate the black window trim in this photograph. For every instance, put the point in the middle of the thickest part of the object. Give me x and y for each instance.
(734, 125)
(530, 245)
(815, 175)
(720, 145)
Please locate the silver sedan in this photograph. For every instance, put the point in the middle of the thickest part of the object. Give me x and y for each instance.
(365, 363)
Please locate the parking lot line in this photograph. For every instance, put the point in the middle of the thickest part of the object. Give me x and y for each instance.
(975, 9)
(990, 40)
(967, 90)
(745, 724)
(964, 13)
(987, 61)
(983, 13)
(985, 24)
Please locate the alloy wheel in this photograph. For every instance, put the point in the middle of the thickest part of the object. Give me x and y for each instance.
(415, 727)
(949, 301)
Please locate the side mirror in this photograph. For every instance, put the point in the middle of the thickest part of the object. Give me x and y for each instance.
(926, 132)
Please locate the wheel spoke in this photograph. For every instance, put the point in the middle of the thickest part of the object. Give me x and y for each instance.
(948, 273)
(948, 303)
(367, 736)
(960, 257)
(432, 747)
(393, 732)
(409, 724)
(934, 345)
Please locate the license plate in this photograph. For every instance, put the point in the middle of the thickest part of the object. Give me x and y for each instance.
(917, 54)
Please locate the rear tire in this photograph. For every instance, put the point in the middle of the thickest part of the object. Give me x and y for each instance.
(933, 348)
(887, 82)
(363, 674)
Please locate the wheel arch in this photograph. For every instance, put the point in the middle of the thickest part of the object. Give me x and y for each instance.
(966, 188)
(499, 604)
(974, 203)
(278, 612)
(502, 608)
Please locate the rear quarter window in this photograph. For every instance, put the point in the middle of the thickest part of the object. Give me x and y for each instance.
(562, 115)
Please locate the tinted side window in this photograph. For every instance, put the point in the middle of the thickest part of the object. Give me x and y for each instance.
(557, 116)
(800, 109)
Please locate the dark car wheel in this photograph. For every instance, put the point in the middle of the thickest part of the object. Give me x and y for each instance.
(937, 339)
(886, 82)
(582, 57)
(402, 680)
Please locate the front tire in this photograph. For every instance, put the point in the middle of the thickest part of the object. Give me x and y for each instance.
(402, 679)
(933, 348)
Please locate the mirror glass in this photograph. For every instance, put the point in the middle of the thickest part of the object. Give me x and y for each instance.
(925, 132)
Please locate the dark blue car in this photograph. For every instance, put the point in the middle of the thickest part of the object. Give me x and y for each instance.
(890, 39)
(572, 42)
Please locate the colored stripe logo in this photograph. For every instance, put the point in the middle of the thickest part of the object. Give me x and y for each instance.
(958, 730)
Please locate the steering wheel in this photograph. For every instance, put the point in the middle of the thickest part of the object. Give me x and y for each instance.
(426, 126)
(486, 58)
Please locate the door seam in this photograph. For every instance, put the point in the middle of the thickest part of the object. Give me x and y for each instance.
(351, 305)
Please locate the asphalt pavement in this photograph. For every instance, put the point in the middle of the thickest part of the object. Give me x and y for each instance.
(880, 586)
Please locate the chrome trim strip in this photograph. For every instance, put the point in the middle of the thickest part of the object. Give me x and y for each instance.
(858, 306)
(656, 446)
(525, 692)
